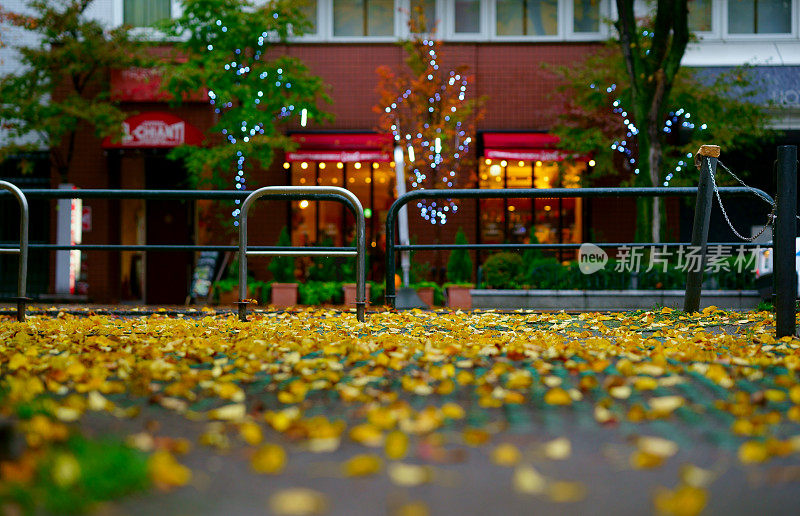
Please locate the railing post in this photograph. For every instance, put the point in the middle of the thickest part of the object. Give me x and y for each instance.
(784, 272)
(389, 293)
(22, 277)
(702, 216)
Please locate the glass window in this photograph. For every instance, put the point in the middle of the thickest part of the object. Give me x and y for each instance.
(143, 13)
(363, 17)
(467, 16)
(522, 220)
(586, 16)
(427, 9)
(759, 16)
(309, 10)
(527, 17)
(700, 15)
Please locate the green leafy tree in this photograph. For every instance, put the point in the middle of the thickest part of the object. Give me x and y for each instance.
(282, 267)
(63, 83)
(638, 112)
(235, 50)
(459, 265)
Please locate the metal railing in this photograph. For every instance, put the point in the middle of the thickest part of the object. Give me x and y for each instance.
(314, 193)
(532, 193)
(276, 193)
(22, 250)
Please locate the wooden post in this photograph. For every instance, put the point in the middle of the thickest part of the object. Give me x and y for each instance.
(706, 159)
(784, 272)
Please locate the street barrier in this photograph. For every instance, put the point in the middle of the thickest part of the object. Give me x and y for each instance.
(313, 193)
(552, 193)
(22, 250)
(333, 194)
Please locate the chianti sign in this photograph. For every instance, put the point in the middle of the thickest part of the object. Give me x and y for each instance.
(155, 130)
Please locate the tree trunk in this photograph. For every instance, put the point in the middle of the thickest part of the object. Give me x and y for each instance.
(655, 155)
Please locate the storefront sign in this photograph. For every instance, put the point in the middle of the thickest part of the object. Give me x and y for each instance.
(155, 130)
(344, 156)
(527, 154)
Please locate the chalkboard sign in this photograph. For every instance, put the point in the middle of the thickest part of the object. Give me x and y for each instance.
(203, 275)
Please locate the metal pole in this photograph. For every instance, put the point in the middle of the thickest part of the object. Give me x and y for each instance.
(702, 216)
(402, 217)
(784, 276)
(22, 275)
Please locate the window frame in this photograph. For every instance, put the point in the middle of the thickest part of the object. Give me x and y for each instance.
(118, 14)
(396, 24)
(449, 23)
(728, 36)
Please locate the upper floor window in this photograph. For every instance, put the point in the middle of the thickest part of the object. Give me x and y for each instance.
(143, 13)
(759, 16)
(527, 17)
(467, 16)
(586, 16)
(427, 8)
(700, 15)
(355, 18)
(309, 10)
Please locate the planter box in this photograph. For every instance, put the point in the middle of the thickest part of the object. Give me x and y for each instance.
(284, 294)
(350, 294)
(231, 297)
(426, 295)
(460, 297)
(608, 299)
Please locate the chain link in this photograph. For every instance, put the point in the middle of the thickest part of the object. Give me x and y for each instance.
(755, 192)
(770, 217)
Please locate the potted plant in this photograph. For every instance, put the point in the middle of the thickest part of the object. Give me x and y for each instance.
(284, 288)
(425, 290)
(459, 274)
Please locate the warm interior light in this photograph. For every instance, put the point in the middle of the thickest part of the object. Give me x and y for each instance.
(374, 165)
(382, 180)
(302, 180)
(352, 180)
(488, 162)
(304, 165)
(286, 165)
(495, 170)
(367, 213)
(303, 204)
(340, 165)
(484, 177)
(392, 164)
(512, 208)
(592, 163)
(504, 163)
(335, 180)
(368, 180)
(547, 208)
(357, 165)
(521, 164)
(538, 163)
(322, 166)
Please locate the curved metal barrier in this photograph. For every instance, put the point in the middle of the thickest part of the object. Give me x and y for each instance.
(532, 193)
(22, 250)
(314, 193)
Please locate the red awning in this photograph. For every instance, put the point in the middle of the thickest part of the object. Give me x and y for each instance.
(525, 147)
(155, 129)
(346, 147)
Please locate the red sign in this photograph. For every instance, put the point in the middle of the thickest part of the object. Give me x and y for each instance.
(155, 130)
(344, 156)
(528, 154)
(144, 85)
(86, 219)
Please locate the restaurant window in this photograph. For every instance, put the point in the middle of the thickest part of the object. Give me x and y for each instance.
(467, 16)
(143, 13)
(428, 10)
(357, 18)
(520, 220)
(699, 15)
(527, 17)
(759, 16)
(316, 222)
(586, 16)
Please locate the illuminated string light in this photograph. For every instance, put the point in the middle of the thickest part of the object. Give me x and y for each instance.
(432, 145)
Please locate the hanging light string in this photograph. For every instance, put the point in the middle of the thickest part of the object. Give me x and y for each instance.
(427, 148)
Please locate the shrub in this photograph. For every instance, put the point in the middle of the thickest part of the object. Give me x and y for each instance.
(323, 268)
(503, 270)
(319, 292)
(548, 273)
(282, 267)
(459, 265)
